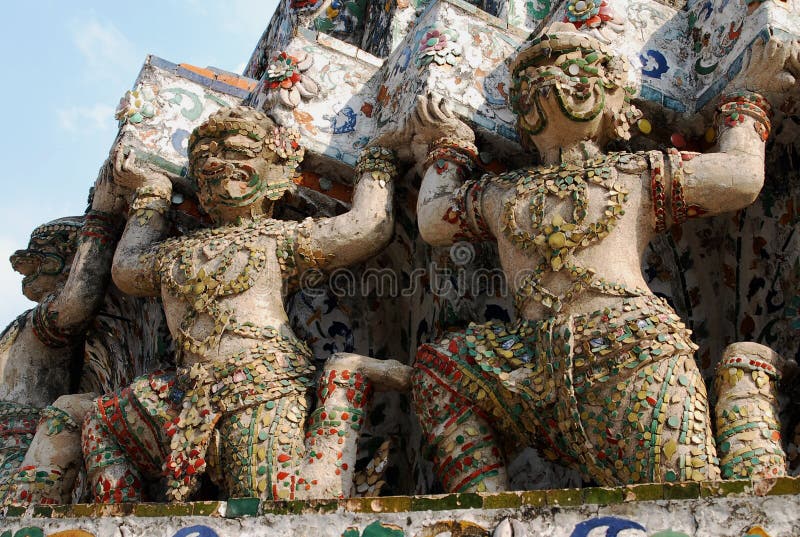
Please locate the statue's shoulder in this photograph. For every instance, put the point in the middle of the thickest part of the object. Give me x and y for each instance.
(511, 178)
(631, 163)
(9, 335)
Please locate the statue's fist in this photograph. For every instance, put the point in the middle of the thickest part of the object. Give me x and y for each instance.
(433, 119)
(771, 69)
(106, 194)
(396, 139)
(128, 174)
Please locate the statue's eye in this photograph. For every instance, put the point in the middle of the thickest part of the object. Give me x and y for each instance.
(209, 167)
(200, 151)
(52, 264)
(237, 151)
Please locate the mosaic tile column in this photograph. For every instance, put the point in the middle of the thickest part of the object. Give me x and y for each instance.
(748, 428)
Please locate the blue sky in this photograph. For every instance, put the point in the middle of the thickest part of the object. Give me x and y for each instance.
(66, 66)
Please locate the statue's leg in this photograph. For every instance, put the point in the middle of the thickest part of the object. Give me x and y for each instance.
(259, 447)
(647, 424)
(124, 438)
(681, 444)
(17, 427)
(331, 434)
(632, 406)
(747, 421)
(465, 449)
(47, 474)
(275, 450)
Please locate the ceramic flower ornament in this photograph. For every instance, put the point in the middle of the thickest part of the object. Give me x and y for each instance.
(285, 74)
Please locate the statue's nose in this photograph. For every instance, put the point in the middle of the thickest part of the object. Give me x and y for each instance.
(22, 262)
(212, 165)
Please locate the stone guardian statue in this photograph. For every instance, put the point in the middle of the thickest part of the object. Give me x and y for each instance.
(596, 372)
(239, 404)
(66, 268)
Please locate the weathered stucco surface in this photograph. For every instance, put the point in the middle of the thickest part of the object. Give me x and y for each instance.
(704, 510)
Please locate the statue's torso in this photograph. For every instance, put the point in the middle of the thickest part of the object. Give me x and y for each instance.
(561, 225)
(31, 373)
(223, 289)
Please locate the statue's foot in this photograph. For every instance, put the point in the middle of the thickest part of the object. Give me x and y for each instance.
(384, 375)
(369, 481)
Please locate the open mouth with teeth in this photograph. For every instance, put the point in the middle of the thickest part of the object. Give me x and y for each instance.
(32, 263)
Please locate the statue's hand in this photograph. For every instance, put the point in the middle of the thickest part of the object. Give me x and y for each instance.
(433, 119)
(772, 69)
(128, 174)
(107, 196)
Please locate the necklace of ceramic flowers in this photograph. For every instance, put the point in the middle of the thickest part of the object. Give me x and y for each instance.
(202, 288)
(554, 242)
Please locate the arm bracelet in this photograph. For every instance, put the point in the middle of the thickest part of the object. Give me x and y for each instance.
(464, 155)
(677, 198)
(734, 107)
(658, 189)
(466, 211)
(150, 200)
(100, 226)
(378, 162)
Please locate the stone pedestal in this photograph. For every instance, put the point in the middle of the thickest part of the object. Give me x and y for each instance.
(721, 509)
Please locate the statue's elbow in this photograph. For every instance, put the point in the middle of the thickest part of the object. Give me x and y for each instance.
(383, 231)
(749, 185)
(124, 277)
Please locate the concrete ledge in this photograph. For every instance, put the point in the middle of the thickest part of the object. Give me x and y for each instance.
(732, 509)
(243, 507)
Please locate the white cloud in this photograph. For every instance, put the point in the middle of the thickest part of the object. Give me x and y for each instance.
(103, 46)
(81, 119)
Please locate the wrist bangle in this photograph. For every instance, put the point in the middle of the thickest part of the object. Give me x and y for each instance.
(154, 191)
(734, 107)
(677, 200)
(102, 227)
(445, 151)
(45, 328)
(150, 200)
(658, 189)
(378, 162)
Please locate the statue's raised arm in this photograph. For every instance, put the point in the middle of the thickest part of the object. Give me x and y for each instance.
(731, 176)
(134, 268)
(447, 207)
(339, 241)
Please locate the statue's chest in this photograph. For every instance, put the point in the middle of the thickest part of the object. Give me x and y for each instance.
(205, 271)
(554, 211)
